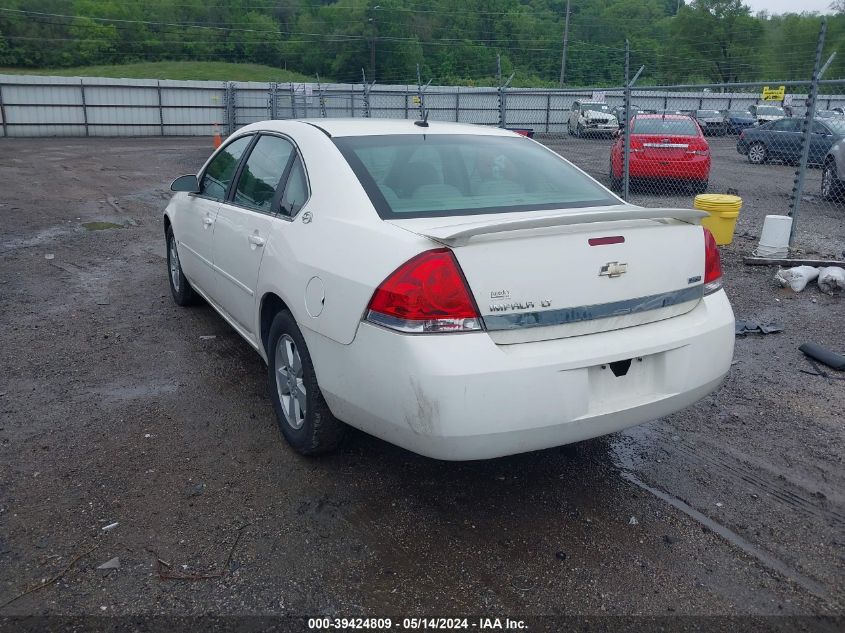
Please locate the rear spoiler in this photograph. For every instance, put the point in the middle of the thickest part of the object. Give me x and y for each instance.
(458, 234)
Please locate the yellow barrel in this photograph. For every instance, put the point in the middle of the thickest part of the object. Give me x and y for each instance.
(723, 210)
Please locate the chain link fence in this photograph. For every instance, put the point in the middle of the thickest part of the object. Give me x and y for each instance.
(775, 144)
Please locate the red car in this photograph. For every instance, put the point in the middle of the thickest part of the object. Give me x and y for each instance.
(669, 148)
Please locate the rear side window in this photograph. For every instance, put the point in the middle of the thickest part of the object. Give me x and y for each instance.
(221, 170)
(418, 175)
(296, 190)
(679, 127)
(262, 172)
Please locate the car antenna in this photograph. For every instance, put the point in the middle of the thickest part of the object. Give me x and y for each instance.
(423, 122)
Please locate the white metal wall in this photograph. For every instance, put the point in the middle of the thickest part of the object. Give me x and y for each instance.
(32, 105)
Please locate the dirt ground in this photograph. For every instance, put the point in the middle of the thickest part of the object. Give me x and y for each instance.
(115, 407)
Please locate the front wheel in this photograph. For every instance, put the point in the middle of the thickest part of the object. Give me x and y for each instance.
(831, 185)
(303, 416)
(757, 154)
(180, 288)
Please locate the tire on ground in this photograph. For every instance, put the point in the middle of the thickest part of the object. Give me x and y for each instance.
(320, 431)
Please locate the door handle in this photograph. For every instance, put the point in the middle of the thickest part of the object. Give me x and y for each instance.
(256, 240)
(207, 221)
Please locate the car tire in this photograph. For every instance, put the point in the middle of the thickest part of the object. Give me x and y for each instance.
(579, 131)
(699, 186)
(757, 153)
(831, 188)
(615, 182)
(180, 287)
(292, 384)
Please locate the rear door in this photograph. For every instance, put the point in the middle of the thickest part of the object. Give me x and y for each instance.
(785, 139)
(244, 224)
(194, 223)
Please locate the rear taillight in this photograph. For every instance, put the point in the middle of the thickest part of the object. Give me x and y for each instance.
(428, 293)
(712, 264)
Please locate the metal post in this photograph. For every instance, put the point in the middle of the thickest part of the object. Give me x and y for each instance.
(457, 104)
(421, 92)
(160, 109)
(292, 101)
(271, 101)
(406, 105)
(352, 101)
(367, 87)
(807, 130)
(503, 102)
(231, 120)
(3, 112)
(565, 46)
(626, 128)
(322, 98)
(548, 109)
(84, 107)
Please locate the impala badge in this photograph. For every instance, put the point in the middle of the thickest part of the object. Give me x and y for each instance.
(613, 269)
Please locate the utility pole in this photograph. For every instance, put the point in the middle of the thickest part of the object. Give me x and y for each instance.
(565, 45)
(374, 22)
(498, 68)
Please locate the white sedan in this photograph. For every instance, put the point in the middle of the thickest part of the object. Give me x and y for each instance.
(461, 291)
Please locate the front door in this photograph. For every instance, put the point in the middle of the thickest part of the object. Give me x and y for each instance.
(197, 215)
(243, 227)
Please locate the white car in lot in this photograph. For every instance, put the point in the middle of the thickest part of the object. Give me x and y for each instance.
(592, 118)
(461, 291)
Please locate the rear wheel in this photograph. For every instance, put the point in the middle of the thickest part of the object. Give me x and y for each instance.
(615, 181)
(831, 185)
(579, 131)
(303, 416)
(757, 154)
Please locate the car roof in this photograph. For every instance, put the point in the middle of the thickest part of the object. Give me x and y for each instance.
(378, 127)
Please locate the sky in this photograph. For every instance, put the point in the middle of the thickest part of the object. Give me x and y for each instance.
(788, 6)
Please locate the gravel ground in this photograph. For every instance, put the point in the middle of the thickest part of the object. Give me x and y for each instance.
(115, 409)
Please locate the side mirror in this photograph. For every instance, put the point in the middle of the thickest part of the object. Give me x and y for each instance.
(187, 183)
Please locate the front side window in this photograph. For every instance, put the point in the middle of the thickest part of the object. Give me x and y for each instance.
(221, 170)
(785, 125)
(417, 175)
(262, 172)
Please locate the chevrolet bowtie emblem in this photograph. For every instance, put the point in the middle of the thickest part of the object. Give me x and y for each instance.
(613, 269)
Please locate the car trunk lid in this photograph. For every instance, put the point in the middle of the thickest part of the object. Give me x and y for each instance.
(543, 276)
(664, 147)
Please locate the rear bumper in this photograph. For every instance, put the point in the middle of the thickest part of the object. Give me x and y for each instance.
(461, 396)
(697, 168)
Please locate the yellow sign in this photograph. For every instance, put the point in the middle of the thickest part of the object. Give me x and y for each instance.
(415, 100)
(774, 94)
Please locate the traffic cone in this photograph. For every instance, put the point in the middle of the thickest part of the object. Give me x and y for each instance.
(217, 140)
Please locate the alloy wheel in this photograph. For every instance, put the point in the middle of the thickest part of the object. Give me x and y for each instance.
(174, 264)
(289, 382)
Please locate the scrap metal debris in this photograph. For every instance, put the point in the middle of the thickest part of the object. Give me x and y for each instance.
(166, 572)
(113, 563)
(741, 328)
(52, 580)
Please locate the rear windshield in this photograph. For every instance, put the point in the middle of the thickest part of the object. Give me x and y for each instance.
(741, 114)
(680, 127)
(712, 113)
(770, 110)
(418, 175)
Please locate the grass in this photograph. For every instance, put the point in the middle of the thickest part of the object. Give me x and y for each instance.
(209, 71)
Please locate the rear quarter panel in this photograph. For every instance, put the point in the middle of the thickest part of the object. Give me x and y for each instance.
(345, 244)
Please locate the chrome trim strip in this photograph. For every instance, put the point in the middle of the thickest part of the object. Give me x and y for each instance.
(561, 316)
(670, 145)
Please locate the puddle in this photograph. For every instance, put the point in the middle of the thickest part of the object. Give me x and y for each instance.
(101, 226)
